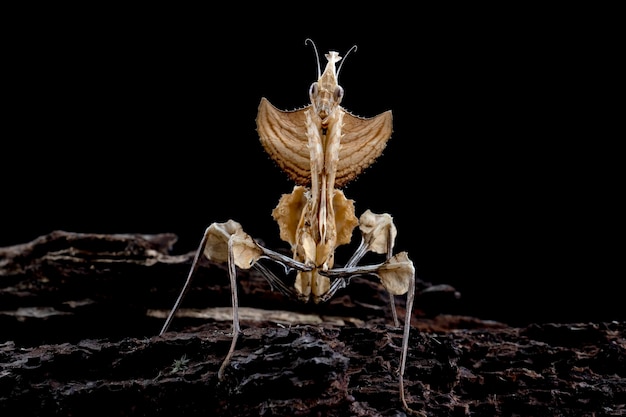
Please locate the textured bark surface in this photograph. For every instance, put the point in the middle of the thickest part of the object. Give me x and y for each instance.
(80, 316)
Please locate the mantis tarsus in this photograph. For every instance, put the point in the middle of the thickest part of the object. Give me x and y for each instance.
(321, 147)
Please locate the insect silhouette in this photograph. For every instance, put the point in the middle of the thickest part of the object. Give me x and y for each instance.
(321, 147)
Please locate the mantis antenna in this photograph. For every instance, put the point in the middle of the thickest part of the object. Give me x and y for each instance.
(344, 59)
(317, 57)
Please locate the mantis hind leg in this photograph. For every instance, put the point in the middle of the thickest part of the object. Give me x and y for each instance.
(190, 276)
(232, 274)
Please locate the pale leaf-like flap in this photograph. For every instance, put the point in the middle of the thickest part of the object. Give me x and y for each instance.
(308, 282)
(245, 250)
(396, 274)
(377, 230)
(308, 246)
(345, 219)
(217, 236)
(288, 213)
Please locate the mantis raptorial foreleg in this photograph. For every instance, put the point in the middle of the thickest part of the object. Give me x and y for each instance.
(322, 147)
(232, 275)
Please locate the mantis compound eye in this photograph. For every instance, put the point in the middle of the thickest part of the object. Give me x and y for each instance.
(338, 93)
(313, 89)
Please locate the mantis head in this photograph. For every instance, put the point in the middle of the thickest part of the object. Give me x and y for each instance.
(326, 93)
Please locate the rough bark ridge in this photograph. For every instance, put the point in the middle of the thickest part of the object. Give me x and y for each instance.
(79, 315)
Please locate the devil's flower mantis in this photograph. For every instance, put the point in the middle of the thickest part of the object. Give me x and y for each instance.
(321, 147)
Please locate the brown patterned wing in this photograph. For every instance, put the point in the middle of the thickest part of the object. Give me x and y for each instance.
(363, 140)
(283, 136)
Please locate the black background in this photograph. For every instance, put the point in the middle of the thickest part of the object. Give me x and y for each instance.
(503, 175)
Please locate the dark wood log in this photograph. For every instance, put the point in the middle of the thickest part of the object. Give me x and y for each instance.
(80, 316)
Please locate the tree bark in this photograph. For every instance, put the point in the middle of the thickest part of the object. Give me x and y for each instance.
(81, 313)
